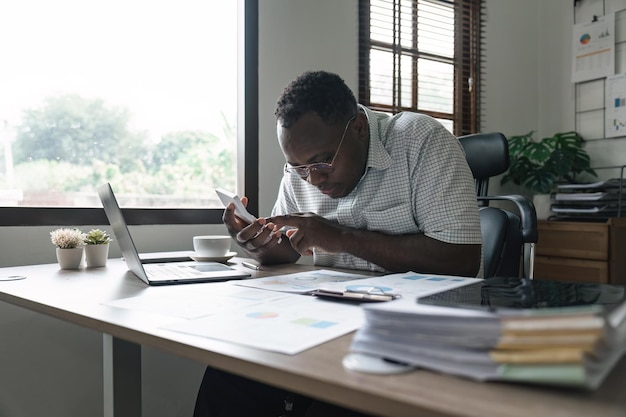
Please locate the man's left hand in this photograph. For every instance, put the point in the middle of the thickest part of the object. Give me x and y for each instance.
(310, 231)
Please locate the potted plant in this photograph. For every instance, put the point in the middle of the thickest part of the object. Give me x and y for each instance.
(540, 166)
(69, 244)
(97, 248)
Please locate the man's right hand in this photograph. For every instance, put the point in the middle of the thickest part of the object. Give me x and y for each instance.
(261, 239)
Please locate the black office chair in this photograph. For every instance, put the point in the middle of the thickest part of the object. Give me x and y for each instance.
(507, 236)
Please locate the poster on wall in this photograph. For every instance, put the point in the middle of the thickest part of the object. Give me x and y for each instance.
(615, 107)
(594, 49)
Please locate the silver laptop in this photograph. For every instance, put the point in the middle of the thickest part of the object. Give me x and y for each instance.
(159, 273)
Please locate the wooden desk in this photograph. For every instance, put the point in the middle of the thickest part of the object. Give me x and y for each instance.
(77, 297)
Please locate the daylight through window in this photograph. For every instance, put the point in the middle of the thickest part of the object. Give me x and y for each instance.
(138, 93)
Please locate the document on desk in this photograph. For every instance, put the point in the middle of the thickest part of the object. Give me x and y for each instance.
(287, 325)
(408, 286)
(300, 282)
(273, 320)
(192, 301)
(298, 322)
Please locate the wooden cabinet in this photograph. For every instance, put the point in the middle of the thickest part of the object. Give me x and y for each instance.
(582, 251)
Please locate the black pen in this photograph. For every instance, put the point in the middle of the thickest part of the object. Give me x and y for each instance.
(251, 266)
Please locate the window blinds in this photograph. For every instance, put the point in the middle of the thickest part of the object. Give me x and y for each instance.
(423, 56)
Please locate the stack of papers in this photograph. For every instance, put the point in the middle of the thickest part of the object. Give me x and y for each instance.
(599, 185)
(541, 332)
(599, 200)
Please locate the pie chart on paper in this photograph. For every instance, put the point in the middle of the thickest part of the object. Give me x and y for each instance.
(262, 315)
(365, 288)
(585, 39)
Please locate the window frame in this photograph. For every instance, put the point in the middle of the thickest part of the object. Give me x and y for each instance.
(466, 61)
(247, 162)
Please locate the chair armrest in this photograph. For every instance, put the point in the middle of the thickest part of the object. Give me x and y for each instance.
(528, 215)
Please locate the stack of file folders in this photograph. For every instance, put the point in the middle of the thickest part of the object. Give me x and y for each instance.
(599, 200)
(515, 330)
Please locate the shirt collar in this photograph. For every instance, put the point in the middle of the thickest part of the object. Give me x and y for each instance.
(377, 156)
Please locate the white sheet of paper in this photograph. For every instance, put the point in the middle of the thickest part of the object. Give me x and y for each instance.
(273, 320)
(409, 285)
(615, 106)
(288, 325)
(300, 282)
(593, 49)
(187, 302)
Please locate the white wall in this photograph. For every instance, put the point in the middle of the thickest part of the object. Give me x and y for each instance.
(510, 84)
(555, 103)
(296, 36)
(527, 87)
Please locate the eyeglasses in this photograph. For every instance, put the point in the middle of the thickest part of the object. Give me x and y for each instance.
(304, 171)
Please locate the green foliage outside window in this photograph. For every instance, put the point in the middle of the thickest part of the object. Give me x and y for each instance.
(73, 144)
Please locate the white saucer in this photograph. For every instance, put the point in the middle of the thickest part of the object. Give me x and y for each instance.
(12, 278)
(224, 258)
(361, 362)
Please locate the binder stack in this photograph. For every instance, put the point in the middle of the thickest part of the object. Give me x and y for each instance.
(515, 330)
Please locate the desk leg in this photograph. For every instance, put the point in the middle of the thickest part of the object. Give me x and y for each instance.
(121, 377)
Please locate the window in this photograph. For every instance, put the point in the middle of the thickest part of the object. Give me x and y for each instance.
(138, 93)
(422, 56)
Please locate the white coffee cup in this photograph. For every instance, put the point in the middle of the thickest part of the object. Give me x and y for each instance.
(211, 245)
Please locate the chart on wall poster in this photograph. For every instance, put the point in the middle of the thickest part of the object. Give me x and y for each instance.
(593, 51)
(615, 106)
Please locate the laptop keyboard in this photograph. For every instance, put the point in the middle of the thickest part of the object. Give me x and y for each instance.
(170, 271)
(173, 271)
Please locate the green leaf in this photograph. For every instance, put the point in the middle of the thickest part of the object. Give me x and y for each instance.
(538, 152)
(540, 181)
(541, 165)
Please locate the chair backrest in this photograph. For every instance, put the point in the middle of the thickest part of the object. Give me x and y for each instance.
(487, 155)
(508, 237)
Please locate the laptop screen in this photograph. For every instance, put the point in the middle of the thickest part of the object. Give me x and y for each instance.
(120, 229)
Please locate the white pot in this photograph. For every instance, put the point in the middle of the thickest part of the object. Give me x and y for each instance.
(542, 206)
(70, 258)
(96, 255)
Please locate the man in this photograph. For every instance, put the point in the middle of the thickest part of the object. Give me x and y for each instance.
(361, 190)
(365, 190)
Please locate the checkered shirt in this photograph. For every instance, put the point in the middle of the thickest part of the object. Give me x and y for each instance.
(416, 181)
